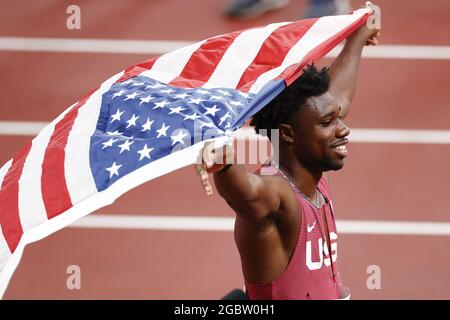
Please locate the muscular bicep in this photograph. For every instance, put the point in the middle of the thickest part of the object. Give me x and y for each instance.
(265, 198)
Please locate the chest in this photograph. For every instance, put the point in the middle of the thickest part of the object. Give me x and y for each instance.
(320, 237)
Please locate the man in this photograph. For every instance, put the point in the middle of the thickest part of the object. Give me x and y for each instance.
(285, 229)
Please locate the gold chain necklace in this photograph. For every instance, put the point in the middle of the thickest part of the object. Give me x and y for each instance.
(290, 179)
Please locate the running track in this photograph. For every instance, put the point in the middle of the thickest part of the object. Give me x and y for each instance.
(405, 182)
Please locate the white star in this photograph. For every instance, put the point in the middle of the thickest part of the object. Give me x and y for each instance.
(118, 94)
(162, 131)
(155, 86)
(179, 137)
(145, 152)
(176, 110)
(228, 125)
(168, 91)
(137, 84)
(222, 119)
(108, 143)
(181, 96)
(225, 93)
(217, 98)
(206, 124)
(113, 170)
(131, 96)
(196, 101)
(148, 125)
(132, 121)
(128, 81)
(191, 117)
(246, 95)
(212, 111)
(125, 146)
(236, 103)
(202, 91)
(115, 133)
(146, 99)
(116, 116)
(161, 104)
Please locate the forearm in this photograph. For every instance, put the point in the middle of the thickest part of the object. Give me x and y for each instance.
(344, 73)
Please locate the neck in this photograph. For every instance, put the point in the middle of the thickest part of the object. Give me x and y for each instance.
(305, 179)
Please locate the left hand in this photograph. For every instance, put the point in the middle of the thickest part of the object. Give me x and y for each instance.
(369, 33)
(212, 160)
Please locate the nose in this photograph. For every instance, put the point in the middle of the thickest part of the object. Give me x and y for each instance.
(342, 129)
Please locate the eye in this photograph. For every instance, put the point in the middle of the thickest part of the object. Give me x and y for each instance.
(326, 123)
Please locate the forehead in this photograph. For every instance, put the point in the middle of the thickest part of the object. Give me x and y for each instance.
(322, 104)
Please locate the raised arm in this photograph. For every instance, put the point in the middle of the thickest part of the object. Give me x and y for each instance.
(251, 196)
(344, 70)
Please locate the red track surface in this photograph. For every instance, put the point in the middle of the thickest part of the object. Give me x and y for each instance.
(380, 181)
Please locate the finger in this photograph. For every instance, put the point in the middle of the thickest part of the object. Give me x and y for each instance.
(208, 155)
(201, 171)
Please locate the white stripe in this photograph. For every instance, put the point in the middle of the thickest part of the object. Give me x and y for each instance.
(163, 46)
(169, 66)
(324, 29)
(4, 249)
(4, 170)
(239, 56)
(190, 223)
(357, 135)
(79, 179)
(31, 204)
(5, 253)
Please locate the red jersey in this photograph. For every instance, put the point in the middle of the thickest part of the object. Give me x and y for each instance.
(312, 272)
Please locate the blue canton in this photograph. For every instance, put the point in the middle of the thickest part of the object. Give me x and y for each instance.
(142, 120)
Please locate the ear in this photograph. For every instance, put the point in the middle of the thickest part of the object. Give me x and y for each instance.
(286, 133)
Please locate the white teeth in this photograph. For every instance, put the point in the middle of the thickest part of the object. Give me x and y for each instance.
(342, 148)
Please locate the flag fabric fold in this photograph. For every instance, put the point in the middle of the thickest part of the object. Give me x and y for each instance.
(149, 120)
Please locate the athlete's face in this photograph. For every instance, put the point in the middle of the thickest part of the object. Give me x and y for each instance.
(320, 134)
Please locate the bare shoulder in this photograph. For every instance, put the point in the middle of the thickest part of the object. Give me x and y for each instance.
(270, 240)
(287, 215)
(282, 208)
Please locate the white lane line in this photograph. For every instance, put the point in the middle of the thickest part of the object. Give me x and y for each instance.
(164, 46)
(189, 223)
(155, 223)
(400, 136)
(21, 128)
(402, 52)
(89, 45)
(376, 135)
(24, 128)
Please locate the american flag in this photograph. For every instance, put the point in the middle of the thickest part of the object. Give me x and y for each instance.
(151, 119)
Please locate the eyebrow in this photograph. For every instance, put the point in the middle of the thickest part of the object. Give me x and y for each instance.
(331, 113)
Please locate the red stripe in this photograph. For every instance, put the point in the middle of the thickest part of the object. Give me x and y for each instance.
(293, 72)
(53, 180)
(204, 61)
(9, 200)
(273, 51)
(137, 69)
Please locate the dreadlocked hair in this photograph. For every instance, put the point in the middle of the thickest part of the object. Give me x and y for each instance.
(312, 83)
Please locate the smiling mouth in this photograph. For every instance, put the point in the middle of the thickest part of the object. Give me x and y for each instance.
(341, 150)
